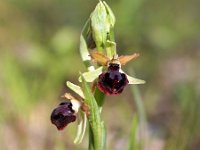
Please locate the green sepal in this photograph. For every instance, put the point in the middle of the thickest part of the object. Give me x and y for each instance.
(133, 80)
(111, 16)
(91, 75)
(77, 89)
(110, 49)
(82, 122)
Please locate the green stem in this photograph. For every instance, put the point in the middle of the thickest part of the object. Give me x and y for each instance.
(97, 136)
(99, 96)
(91, 141)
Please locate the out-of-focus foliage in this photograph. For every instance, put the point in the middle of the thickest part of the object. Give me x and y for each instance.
(39, 42)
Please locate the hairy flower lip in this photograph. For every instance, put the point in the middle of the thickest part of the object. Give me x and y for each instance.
(113, 81)
(62, 115)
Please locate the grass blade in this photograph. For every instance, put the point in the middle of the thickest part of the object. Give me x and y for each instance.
(132, 140)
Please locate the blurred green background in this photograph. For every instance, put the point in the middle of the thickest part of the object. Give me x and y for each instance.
(39, 52)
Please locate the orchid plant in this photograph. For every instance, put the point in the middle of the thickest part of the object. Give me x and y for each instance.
(104, 77)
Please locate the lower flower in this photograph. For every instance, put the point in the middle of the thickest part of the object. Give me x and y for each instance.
(63, 115)
(70, 111)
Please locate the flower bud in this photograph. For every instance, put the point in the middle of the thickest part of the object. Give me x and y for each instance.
(102, 20)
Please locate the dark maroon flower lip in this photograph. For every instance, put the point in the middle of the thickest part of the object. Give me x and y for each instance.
(63, 115)
(112, 82)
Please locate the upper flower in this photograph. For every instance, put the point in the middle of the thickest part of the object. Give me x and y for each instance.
(113, 80)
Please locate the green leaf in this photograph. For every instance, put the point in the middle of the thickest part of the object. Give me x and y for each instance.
(97, 126)
(83, 49)
(84, 52)
(91, 75)
(85, 55)
(77, 89)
